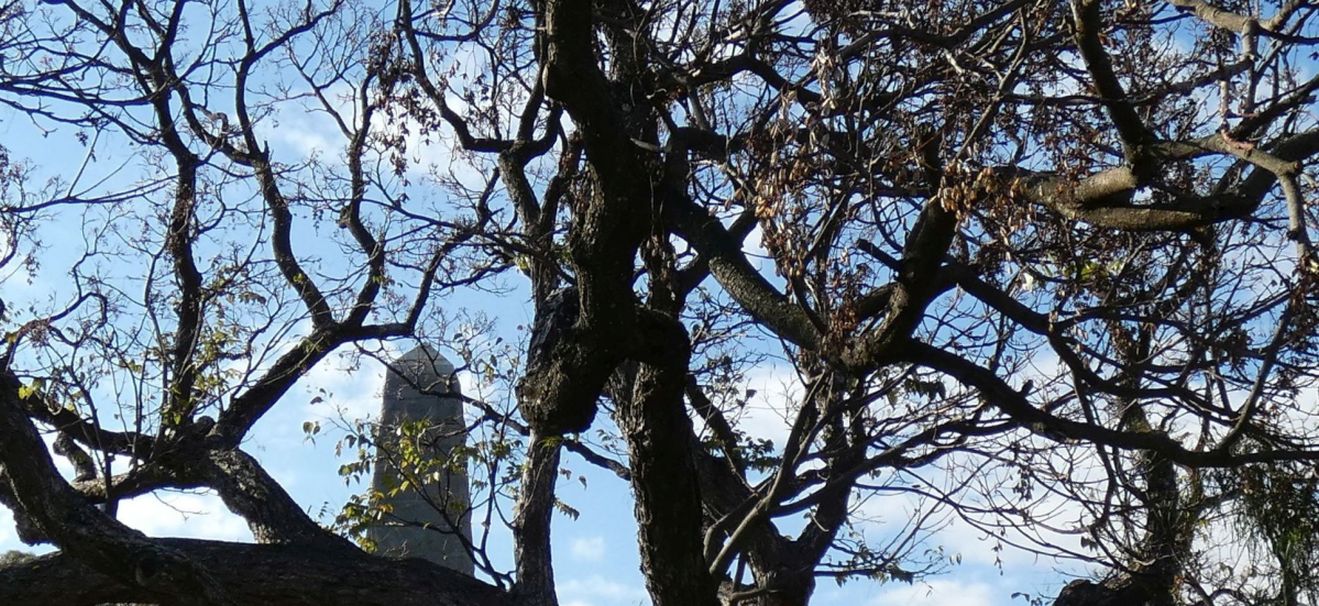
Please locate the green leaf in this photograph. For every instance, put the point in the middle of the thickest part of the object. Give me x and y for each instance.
(31, 389)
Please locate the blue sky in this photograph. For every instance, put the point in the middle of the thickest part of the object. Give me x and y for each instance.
(597, 562)
(595, 555)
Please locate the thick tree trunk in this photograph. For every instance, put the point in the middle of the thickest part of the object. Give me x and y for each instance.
(531, 527)
(1124, 591)
(668, 497)
(260, 575)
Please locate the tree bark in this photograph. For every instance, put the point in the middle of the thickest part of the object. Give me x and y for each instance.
(664, 479)
(531, 527)
(259, 575)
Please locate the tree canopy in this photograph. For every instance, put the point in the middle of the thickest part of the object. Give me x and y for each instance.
(1045, 266)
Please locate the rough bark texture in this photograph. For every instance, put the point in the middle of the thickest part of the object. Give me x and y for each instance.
(531, 527)
(664, 480)
(255, 575)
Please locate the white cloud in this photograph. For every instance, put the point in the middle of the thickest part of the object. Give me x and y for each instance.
(598, 589)
(883, 514)
(353, 392)
(191, 515)
(941, 592)
(307, 140)
(306, 130)
(1308, 400)
(976, 546)
(769, 411)
(754, 246)
(8, 536)
(591, 549)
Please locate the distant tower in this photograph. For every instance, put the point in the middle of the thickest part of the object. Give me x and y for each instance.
(419, 386)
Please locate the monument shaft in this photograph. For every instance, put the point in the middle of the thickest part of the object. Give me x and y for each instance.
(421, 423)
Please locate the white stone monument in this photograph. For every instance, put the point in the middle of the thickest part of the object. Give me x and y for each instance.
(421, 386)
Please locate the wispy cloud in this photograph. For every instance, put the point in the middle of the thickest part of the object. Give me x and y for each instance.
(942, 592)
(8, 538)
(191, 515)
(768, 414)
(591, 549)
(597, 589)
(338, 386)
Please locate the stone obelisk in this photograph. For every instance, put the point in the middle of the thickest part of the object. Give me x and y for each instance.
(424, 522)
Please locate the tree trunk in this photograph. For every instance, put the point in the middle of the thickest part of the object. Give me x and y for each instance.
(260, 575)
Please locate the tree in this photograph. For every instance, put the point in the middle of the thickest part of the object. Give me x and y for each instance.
(1062, 245)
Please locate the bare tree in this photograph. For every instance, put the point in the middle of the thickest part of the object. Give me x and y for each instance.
(1021, 255)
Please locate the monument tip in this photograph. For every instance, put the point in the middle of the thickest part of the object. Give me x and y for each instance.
(423, 364)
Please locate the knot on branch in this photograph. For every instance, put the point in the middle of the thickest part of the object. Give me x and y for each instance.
(565, 370)
(661, 340)
(1114, 592)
